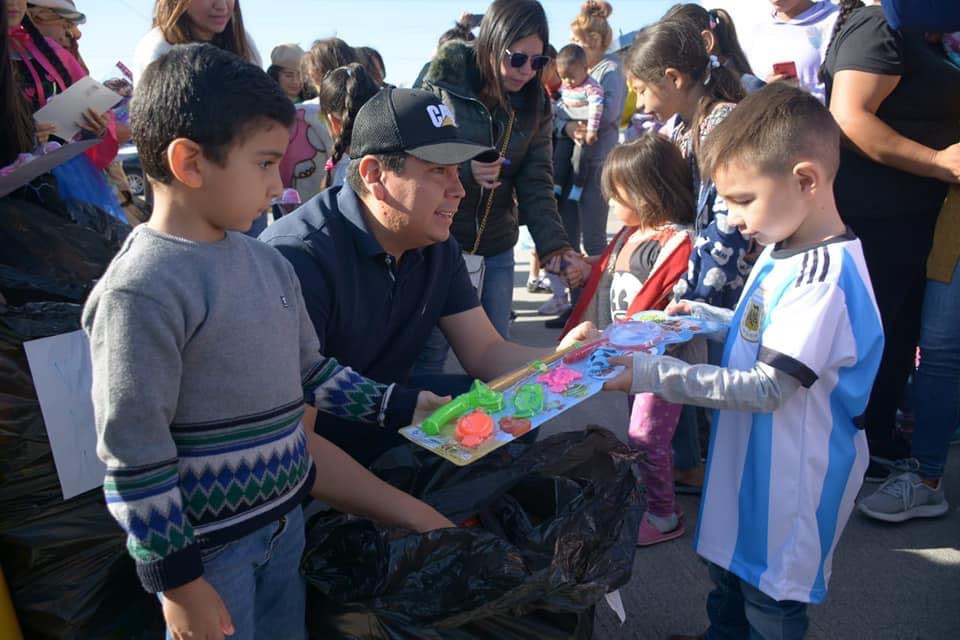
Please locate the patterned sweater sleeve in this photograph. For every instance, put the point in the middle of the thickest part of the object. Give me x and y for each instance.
(135, 346)
(340, 391)
(594, 104)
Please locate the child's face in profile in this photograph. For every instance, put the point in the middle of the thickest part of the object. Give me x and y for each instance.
(573, 74)
(628, 214)
(768, 207)
(661, 99)
(234, 195)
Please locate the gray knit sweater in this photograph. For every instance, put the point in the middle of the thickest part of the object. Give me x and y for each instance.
(203, 356)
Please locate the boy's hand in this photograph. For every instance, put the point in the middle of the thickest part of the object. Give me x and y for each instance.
(590, 137)
(428, 519)
(679, 308)
(427, 403)
(624, 381)
(583, 332)
(194, 611)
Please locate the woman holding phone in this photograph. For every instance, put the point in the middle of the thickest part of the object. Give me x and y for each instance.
(494, 92)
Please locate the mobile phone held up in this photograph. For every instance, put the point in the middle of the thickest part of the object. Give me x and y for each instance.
(785, 69)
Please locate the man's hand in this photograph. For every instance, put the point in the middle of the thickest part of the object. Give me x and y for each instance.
(583, 332)
(427, 403)
(194, 611)
(577, 272)
(624, 381)
(486, 174)
(679, 308)
(947, 163)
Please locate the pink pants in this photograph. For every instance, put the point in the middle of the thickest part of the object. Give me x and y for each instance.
(653, 421)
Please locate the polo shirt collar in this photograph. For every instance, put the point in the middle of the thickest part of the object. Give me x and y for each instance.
(352, 210)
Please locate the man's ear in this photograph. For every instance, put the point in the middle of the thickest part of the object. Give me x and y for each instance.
(185, 159)
(372, 174)
(809, 176)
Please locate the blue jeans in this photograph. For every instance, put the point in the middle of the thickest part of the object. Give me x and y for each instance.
(258, 578)
(496, 299)
(936, 387)
(739, 610)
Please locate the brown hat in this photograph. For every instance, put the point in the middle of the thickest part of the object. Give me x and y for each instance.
(65, 8)
(287, 56)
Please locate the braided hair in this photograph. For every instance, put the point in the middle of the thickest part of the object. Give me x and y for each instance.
(342, 92)
(846, 8)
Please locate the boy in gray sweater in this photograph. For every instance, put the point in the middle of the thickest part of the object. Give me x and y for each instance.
(203, 356)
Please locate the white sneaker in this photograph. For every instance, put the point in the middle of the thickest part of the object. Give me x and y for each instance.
(554, 307)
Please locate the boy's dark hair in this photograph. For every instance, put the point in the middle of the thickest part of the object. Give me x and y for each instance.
(572, 54)
(207, 95)
(772, 130)
(653, 178)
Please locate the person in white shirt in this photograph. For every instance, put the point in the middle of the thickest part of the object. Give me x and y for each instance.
(218, 22)
(787, 453)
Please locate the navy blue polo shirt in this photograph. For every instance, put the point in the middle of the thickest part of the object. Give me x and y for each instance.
(370, 312)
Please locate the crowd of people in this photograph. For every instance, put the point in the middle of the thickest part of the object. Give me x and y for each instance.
(797, 184)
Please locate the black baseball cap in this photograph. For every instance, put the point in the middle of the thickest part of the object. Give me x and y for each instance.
(413, 121)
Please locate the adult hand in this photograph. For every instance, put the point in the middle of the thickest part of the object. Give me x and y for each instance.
(590, 137)
(679, 308)
(583, 332)
(486, 173)
(947, 162)
(427, 403)
(624, 381)
(195, 611)
(44, 131)
(577, 272)
(95, 123)
(576, 130)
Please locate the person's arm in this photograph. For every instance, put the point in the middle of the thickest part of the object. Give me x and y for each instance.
(595, 109)
(484, 353)
(534, 188)
(349, 487)
(854, 100)
(614, 87)
(135, 348)
(762, 389)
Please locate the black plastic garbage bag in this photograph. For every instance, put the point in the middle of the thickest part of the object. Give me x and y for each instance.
(559, 522)
(65, 561)
(50, 257)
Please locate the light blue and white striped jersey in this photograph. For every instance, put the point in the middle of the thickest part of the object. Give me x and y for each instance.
(780, 486)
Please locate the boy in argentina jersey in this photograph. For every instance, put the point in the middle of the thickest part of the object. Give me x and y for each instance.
(787, 456)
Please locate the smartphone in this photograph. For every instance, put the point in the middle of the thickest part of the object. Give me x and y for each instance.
(785, 69)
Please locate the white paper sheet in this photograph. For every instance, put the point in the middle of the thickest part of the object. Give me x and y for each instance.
(66, 109)
(62, 374)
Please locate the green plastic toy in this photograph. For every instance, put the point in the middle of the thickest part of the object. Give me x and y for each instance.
(528, 401)
(480, 396)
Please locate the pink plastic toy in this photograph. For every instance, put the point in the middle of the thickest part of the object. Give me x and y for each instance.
(557, 380)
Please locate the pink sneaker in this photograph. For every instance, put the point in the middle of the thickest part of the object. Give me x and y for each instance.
(648, 534)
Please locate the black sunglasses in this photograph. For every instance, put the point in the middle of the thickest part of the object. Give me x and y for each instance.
(517, 60)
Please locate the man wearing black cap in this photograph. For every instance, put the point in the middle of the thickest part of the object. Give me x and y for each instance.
(378, 266)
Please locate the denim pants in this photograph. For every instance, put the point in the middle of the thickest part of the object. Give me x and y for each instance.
(496, 299)
(937, 382)
(739, 610)
(258, 578)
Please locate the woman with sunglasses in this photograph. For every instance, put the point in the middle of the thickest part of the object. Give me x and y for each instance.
(493, 90)
(588, 216)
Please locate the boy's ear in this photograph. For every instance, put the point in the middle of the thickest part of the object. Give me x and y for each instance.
(372, 174)
(185, 157)
(808, 175)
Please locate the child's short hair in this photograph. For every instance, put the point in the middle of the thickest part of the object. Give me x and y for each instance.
(207, 95)
(773, 129)
(654, 178)
(570, 55)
